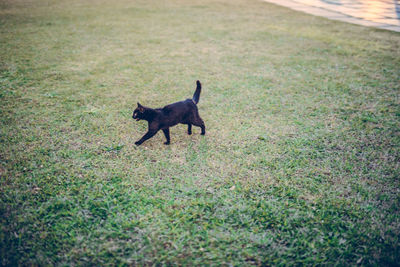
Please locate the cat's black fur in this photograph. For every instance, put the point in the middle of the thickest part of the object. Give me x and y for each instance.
(184, 112)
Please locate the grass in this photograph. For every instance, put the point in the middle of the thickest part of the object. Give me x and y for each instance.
(300, 164)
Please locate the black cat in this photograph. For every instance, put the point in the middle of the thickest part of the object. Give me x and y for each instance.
(184, 112)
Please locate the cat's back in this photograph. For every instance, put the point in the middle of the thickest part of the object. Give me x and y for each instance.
(181, 105)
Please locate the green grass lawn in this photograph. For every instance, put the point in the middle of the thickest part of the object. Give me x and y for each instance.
(300, 163)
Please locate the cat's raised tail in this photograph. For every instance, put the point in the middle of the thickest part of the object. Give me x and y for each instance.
(196, 96)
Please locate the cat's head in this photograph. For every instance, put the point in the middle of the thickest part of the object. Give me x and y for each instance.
(138, 113)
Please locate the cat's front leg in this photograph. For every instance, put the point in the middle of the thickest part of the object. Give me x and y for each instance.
(166, 133)
(148, 135)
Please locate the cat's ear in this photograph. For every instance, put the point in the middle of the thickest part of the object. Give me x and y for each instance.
(140, 107)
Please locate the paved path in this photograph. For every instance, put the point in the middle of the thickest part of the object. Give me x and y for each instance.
(384, 14)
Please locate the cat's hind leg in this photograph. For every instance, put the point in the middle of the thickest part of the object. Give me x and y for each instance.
(189, 129)
(200, 123)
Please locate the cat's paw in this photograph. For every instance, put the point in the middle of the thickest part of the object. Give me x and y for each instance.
(166, 143)
(189, 133)
(137, 143)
